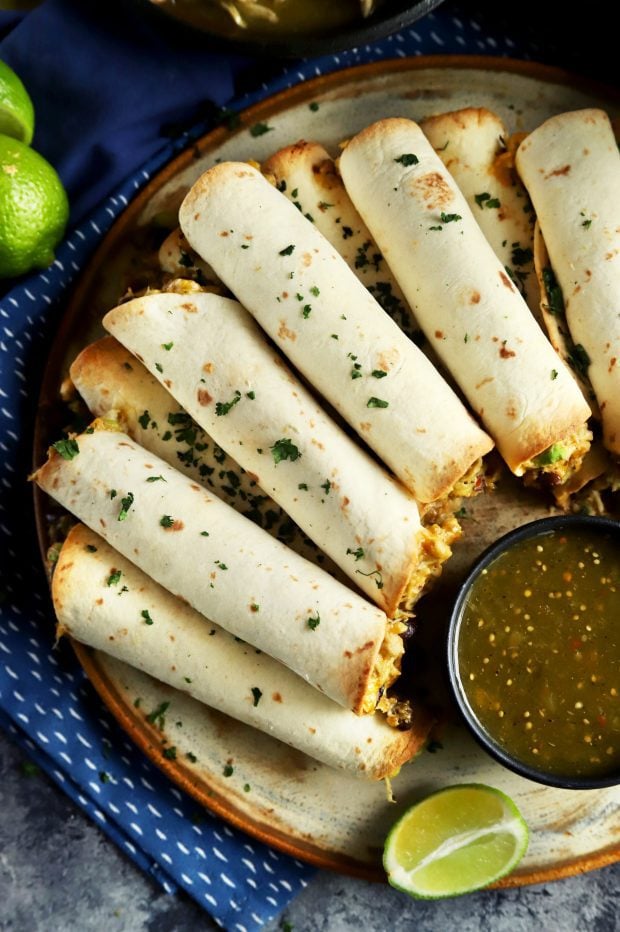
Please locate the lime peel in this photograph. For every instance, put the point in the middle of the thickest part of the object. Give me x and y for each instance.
(465, 860)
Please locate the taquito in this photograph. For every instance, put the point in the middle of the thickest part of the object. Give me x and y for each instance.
(472, 144)
(118, 388)
(155, 632)
(224, 566)
(571, 168)
(320, 315)
(214, 359)
(463, 297)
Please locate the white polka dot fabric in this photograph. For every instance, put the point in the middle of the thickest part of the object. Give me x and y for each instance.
(45, 702)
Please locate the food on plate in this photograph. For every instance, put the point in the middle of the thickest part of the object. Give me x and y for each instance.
(571, 168)
(455, 841)
(216, 362)
(119, 389)
(470, 309)
(477, 150)
(270, 17)
(331, 328)
(224, 566)
(152, 630)
(538, 651)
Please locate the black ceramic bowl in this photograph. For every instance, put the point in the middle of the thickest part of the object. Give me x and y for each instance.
(391, 16)
(594, 527)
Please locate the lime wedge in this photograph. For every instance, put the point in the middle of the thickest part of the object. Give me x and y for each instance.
(455, 841)
(16, 110)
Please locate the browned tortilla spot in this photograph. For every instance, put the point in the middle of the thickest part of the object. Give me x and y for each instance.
(276, 697)
(558, 171)
(204, 398)
(506, 353)
(284, 333)
(189, 307)
(306, 259)
(224, 233)
(98, 601)
(489, 378)
(439, 334)
(474, 297)
(168, 383)
(506, 281)
(434, 189)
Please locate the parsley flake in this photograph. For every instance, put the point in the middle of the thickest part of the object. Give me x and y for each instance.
(166, 521)
(306, 311)
(327, 486)
(126, 504)
(147, 617)
(144, 419)
(228, 770)
(68, 448)
(191, 757)
(156, 479)
(170, 753)
(315, 291)
(408, 158)
(167, 346)
(379, 373)
(303, 486)
(223, 407)
(358, 553)
(259, 129)
(158, 715)
(284, 449)
(251, 395)
(313, 621)
(554, 374)
(256, 693)
(449, 218)
(314, 106)
(114, 577)
(377, 573)
(377, 403)
(287, 251)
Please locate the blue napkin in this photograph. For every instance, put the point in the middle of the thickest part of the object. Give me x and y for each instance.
(106, 96)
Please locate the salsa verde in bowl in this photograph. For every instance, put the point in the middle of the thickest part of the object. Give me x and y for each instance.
(534, 651)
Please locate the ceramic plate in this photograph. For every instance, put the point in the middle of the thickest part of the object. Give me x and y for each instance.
(275, 793)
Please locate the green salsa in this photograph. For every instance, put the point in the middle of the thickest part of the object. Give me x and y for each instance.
(539, 652)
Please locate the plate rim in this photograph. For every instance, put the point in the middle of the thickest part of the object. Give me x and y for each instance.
(270, 107)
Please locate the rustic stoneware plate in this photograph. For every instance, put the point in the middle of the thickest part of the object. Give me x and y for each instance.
(294, 803)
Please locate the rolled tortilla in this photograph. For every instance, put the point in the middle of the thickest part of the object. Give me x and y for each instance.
(472, 145)
(117, 387)
(470, 310)
(224, 566)
(151, 630)
(307, 175)
(217, 363)
(571, 168)
(268, 254)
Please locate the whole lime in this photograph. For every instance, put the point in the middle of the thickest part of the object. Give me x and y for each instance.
(33, 209)
(16, 110)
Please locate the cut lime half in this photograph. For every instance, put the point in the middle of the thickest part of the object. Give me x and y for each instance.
(16, 110)
(458, 840)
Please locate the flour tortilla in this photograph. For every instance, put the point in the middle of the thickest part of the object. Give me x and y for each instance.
(223, 371)
(116, 386)
(224, 566)
(267, 253)
(470, 310)
(175, 644)
(571, 168)
(472, 145)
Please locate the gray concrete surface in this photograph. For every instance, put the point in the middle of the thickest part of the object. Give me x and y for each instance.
(59, 873)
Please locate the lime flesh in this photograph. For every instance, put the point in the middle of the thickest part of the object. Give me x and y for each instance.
(455, 841)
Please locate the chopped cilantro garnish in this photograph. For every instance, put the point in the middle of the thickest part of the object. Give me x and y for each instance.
(251, 395)
(408, 158)
(377, 573)
(156, 479)
(579, 359)
(436, 228)
(157, 716)
(284, 449)
(287, 251)
(327, 486)
(555, 300)
(228, 770)
(170, 753)
(204, 533)
(159, 367)
(254, 607)
(67, 448)
(377, 403)
(126, 504)
(246, 786)
(166, 521)
(358, 553)
(221, 565)
(554, 374)
(167, 346)
(485, 200)
(259, 129)
(256, 693)
(379, 373)
(306, 311)
(144, 419)
(147, 616)
(223, 407)
(313, 106)
(191, 757)
(356, 372)
(113, 493)
(114, 577)
(315, 291)
(303, 486)
(449, 218)
(313, 621)
(521, 256)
